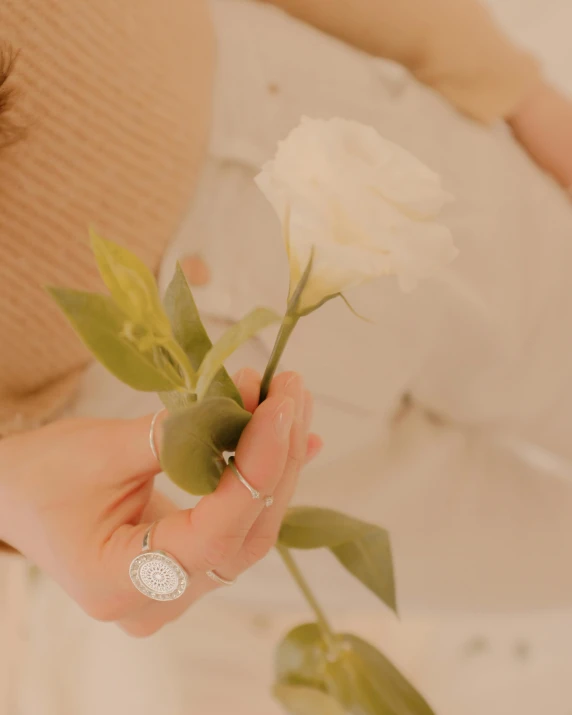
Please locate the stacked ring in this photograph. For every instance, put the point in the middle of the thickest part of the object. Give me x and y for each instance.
(268, 500)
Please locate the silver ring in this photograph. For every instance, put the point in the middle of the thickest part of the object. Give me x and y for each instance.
(219, 579)
(268, 500)
(152, 442)
(156, 574)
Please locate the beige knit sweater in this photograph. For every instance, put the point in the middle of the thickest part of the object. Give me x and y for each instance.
(112, 104)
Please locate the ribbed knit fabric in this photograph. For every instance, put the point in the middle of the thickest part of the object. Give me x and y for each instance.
(114, 102)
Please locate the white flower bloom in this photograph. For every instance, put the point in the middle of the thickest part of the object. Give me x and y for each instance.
(363, 205)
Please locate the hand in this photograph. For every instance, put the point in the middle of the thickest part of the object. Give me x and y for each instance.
(77, 496)
(543, 124)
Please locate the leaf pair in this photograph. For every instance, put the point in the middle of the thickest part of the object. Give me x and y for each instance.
(124, 331)
(191, 335)
(127, 330)
(145, 344)
(356, 680)
(131, 284)
(207, 359)
(196, 436)
(101, 326)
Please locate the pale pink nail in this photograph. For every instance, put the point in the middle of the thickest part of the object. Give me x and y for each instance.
(294, 388)
(239, 378)
(284, 418)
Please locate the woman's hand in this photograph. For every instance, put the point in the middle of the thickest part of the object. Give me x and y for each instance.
(543, 124)
(77, 496)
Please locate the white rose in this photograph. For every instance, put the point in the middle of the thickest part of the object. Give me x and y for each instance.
(363, 205)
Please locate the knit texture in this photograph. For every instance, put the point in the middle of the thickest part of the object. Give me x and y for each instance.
(113, 102)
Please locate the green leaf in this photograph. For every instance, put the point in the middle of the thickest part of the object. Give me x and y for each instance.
(174, 400)
(353, 311)
(233, 338)
(303, 700)
(192, 336)
(302, 657)
(360, 678)
(131, 284)
(363, 549)
(177, 400)
(101, 325)
(365, 681)
(194, 439)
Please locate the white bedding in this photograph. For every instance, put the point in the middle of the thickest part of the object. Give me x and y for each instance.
(475, 528)
(486, 349)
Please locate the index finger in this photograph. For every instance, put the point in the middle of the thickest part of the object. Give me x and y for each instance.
(223, 519)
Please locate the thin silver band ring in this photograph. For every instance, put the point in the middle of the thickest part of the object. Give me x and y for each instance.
(152, 442)
(268, 500)
(147, 539)
(220, 580)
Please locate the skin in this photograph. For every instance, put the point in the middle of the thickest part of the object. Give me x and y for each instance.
(543, 125)
(78, 495)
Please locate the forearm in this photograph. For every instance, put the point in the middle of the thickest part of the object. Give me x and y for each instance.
(451, 45)
(542, 122)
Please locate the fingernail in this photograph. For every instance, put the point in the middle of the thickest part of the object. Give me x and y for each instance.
(239, 378)
(308, 409)
(294, 388)
(196, 271)
(313, 451)
(284, 418)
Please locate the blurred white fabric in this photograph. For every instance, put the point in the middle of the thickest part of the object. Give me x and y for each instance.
(477, 524)
(485, 349)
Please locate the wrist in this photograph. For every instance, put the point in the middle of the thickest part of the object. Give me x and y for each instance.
(534, 100)
(542, 123)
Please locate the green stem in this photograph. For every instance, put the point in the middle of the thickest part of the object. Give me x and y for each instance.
(183, 362)
(288, 324)
(325, 628)
(290, 321)
(167, 364)
(293, 315)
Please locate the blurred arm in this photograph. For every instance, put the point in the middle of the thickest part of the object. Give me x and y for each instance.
(453, 46)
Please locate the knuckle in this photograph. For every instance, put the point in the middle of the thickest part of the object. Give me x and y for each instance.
(220, 549)
(296, 461)
(284, 378)
(256, 548)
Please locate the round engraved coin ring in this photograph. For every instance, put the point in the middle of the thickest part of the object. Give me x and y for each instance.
(156, 574)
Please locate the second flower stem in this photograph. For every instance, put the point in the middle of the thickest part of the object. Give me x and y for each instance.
(325, 628)
(288, 324)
